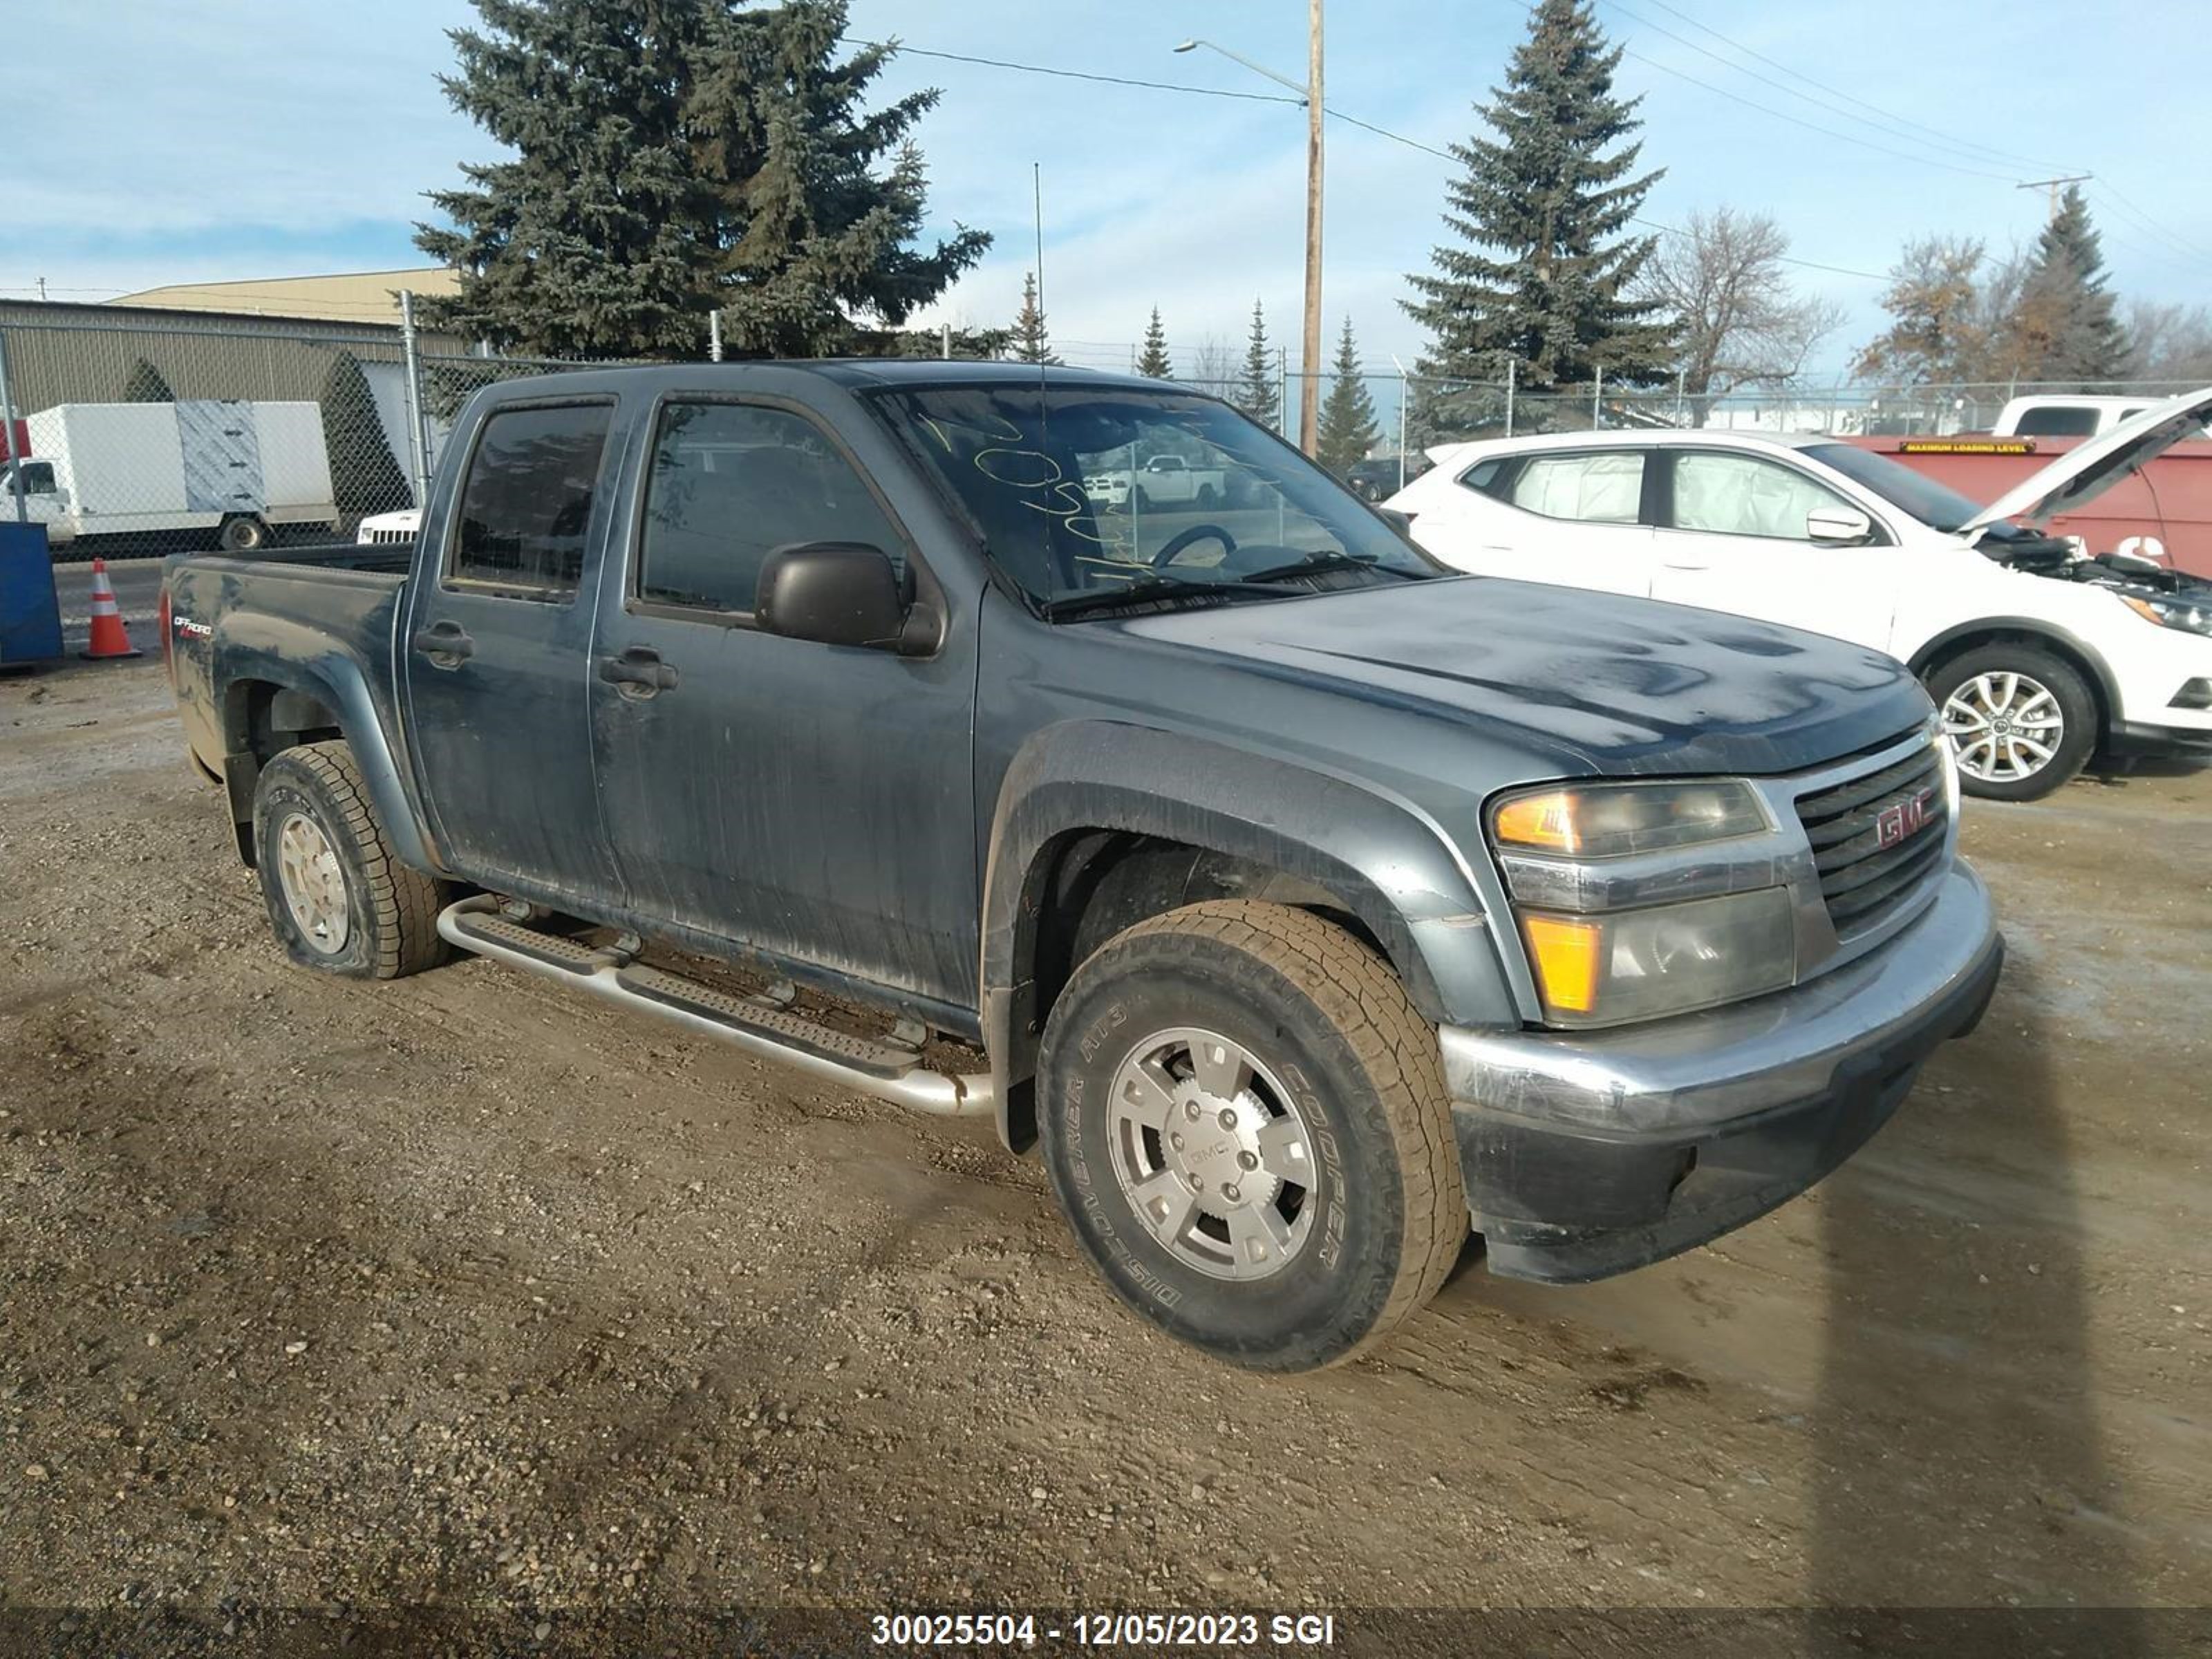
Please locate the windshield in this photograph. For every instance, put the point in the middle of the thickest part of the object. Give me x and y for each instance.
(1084, 494)
(1932, 503)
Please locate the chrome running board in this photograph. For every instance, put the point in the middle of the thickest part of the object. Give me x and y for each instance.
(759, 1026)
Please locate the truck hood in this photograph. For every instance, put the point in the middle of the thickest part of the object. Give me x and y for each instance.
(1607, 684)
(2088, 469)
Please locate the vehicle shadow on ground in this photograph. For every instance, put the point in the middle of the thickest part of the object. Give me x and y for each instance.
(1957, 1457)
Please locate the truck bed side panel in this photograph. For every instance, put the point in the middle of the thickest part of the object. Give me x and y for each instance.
(315, 622)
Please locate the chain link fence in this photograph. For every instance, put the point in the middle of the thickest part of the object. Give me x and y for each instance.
(131, 440)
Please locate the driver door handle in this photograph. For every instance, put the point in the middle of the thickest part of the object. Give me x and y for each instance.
(638, 672)
(445, 643)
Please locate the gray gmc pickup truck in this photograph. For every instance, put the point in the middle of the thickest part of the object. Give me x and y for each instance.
(1312, 908)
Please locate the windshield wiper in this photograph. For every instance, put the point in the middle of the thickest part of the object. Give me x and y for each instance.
(1154, 587)
(1316, 564)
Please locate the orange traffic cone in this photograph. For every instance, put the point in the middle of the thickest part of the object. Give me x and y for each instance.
(109, 637)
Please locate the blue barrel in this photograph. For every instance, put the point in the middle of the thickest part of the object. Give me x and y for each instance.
(30, 613)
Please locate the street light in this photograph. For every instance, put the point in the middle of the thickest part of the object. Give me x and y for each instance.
(1310, 95)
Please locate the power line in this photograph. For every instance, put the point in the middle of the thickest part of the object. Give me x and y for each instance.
(1075, 74)
(1335, 114)
(1814, 126)
(2120, 199)
(2003, 156)
(1646, 224)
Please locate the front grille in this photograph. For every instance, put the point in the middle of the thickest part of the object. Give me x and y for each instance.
(1871, 854)
(381, 536)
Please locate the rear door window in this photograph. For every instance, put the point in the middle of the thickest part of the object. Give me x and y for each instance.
(525, 506)
(732, 483)
(1589, 487)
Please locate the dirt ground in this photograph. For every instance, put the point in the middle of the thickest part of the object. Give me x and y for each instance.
(470, 1292)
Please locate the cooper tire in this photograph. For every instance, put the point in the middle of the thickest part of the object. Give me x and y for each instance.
(1333, 1032)
(1996, 701)
(338, 900)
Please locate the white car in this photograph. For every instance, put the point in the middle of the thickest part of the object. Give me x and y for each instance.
(2038, 657)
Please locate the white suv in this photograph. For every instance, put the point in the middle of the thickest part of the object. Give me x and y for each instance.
(2038, 657)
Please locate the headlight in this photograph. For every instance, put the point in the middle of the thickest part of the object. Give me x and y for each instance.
(1603, 967)
(1668, 959)
(2194, 615)
(1611, 820)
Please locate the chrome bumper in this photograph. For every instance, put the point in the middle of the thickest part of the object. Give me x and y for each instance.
(1588, 1153)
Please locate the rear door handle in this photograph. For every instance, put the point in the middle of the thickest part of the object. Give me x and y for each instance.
(1670, 565)
(445, 643)
(638, 672)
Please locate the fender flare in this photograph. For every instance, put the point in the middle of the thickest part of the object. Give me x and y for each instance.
(2108, 684)
(297, 659)
(1382, 860)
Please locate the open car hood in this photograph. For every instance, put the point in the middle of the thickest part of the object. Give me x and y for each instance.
(2088, 470)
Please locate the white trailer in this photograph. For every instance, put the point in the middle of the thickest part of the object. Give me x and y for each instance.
(237, 468)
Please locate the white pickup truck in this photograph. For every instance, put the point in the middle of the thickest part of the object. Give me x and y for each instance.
(1163, 480)
(2069, 415)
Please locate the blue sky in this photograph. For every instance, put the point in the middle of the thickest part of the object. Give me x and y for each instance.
(173, 140)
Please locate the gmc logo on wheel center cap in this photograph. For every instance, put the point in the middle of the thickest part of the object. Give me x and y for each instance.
(1907, 817)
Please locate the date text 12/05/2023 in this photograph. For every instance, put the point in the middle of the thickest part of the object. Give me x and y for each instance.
(1151, 1630)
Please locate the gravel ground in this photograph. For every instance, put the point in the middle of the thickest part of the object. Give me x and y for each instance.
(468, 1293)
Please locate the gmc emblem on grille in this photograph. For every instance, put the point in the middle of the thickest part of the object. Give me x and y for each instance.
(1908, 818)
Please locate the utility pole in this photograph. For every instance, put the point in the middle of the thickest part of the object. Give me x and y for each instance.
(418, 447)
(1309, 95)
(2052, 185)
(1310, 382)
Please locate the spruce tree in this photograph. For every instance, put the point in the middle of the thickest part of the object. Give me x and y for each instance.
(824, 234)
(668, 158)
(1347, 414)
(1541, 270)
(1154, 360)
(2063, 327)
(1258, 391)
(144, 384)
(1030, 343)
(365, 475)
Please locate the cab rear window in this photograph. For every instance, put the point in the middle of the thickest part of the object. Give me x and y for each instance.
(526, 503)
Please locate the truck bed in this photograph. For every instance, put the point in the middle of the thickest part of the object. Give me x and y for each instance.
(244, 617)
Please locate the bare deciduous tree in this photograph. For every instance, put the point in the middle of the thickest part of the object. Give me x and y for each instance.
(2169, 342)
(1742, 324)
(1212, 365)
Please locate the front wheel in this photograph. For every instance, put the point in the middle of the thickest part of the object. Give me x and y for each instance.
(2020, 721)
(1245, 1122)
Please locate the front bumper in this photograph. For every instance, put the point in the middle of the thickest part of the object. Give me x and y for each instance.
(1589, 1154)
(2146, 739)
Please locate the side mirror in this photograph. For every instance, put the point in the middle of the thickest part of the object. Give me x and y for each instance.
(840, 593)
(1838, 526)
(1399, 521)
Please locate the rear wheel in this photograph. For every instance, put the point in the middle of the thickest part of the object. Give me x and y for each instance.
(338, 900)
(1246, 1124)
(243, 534)
(2021, 720)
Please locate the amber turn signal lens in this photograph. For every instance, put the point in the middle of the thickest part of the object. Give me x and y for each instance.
(1542, 820)
(1565, 950)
